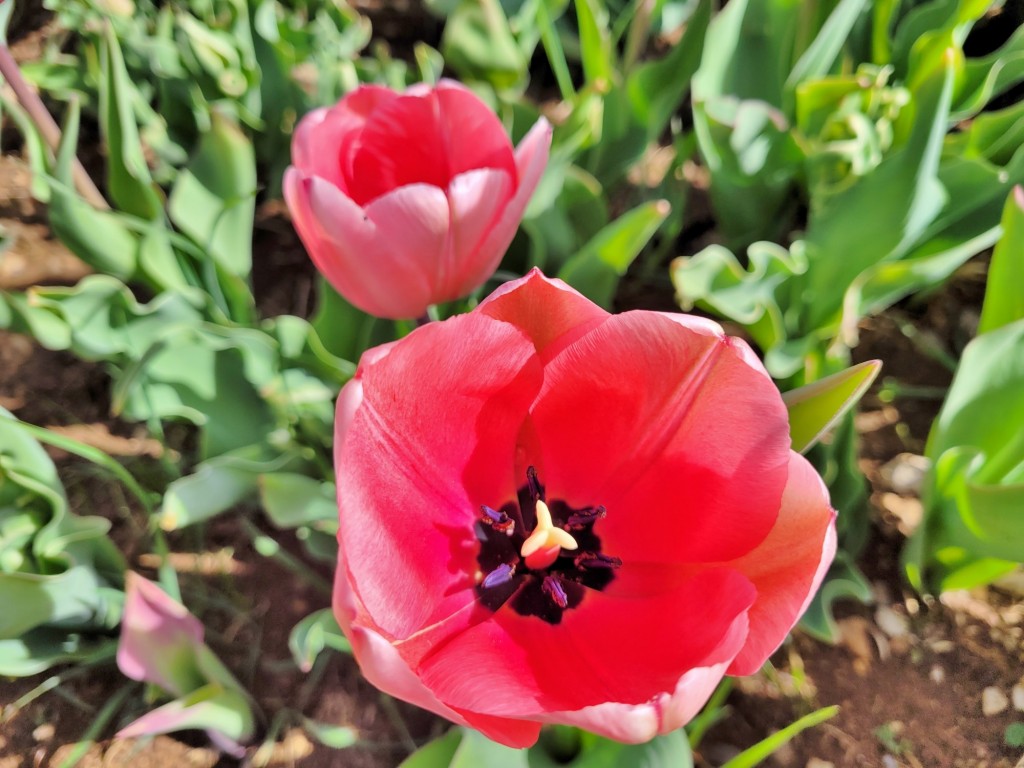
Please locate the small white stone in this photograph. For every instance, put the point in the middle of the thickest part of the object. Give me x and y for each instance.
(1017, 694)
(993, 701)
(892, 623)
(937, 674)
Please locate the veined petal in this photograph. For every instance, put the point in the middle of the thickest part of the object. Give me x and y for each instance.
(550, 312)
(668, 429)
(324, 138)
(413, 471)
(637, 723)
(475, 198)
(608, 649)
(788, 567)
(531, 158)
(427, 139)
(401, 238)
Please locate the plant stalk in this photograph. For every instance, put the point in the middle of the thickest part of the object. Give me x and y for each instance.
(46, 125)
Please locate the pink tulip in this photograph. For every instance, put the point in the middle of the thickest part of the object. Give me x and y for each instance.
(551, 514)
(404, 200)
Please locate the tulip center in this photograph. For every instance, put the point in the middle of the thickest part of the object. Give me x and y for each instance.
(540, 556)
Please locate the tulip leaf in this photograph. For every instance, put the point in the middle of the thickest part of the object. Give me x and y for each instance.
(816, 407)
(596, 50)
(973, 530)
(217, 485)
(291, 499)
(669, 750)
(128, 180)
(315, 634)
(596, 269)
(657, 88)
(758, 753)
(437, 753)
(843, 580)
(1004, 295)
(39, 649)
(476, 750)
(99, 238)
(333, 736)
(214, 198)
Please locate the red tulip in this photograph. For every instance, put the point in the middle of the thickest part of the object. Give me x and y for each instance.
(551, 514)
(404, 200)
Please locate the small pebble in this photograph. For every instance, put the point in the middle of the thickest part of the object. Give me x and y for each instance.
(44, 733)
(892, 623)
(993, 701)
(937, 674)
(905, 473)
(1017, 695)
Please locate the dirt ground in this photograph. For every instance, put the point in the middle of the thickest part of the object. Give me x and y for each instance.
(920, 682)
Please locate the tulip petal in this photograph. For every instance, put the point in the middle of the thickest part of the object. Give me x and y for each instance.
(523, 666)
(531, 158)
(382, 259)
(427, 139)
(379, 661)
(413, 471)
(667, 428)
(159, 638)
(550, 312)
(476, 198)
(788, 567)
(635, 724)
(325, 138)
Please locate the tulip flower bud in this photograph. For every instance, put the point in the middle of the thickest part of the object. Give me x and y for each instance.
(405, 200)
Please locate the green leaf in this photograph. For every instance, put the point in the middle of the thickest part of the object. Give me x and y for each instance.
(99, 238)
(1004, 296)
(596, 269)
(313, 635)
(901, 197)
(596, 49)
(822, 53)
(764, 749)
(214, 199)
(753, 296)
(217, 485)
(291, 500)
(816, 407)
(476, 750)
(128, 180)
(437, 753)
(333, 736)
(657, 88)
(844, 580)
(478, 44)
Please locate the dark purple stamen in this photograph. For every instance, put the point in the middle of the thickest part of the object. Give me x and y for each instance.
(545, 592)
(581, 518)
(534, 484)
(499, 521)
(501, 575)
(589, 560)
(553, 588)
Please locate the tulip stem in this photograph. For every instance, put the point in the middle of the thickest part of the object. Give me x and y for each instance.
(388, 705)
(45, 124)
